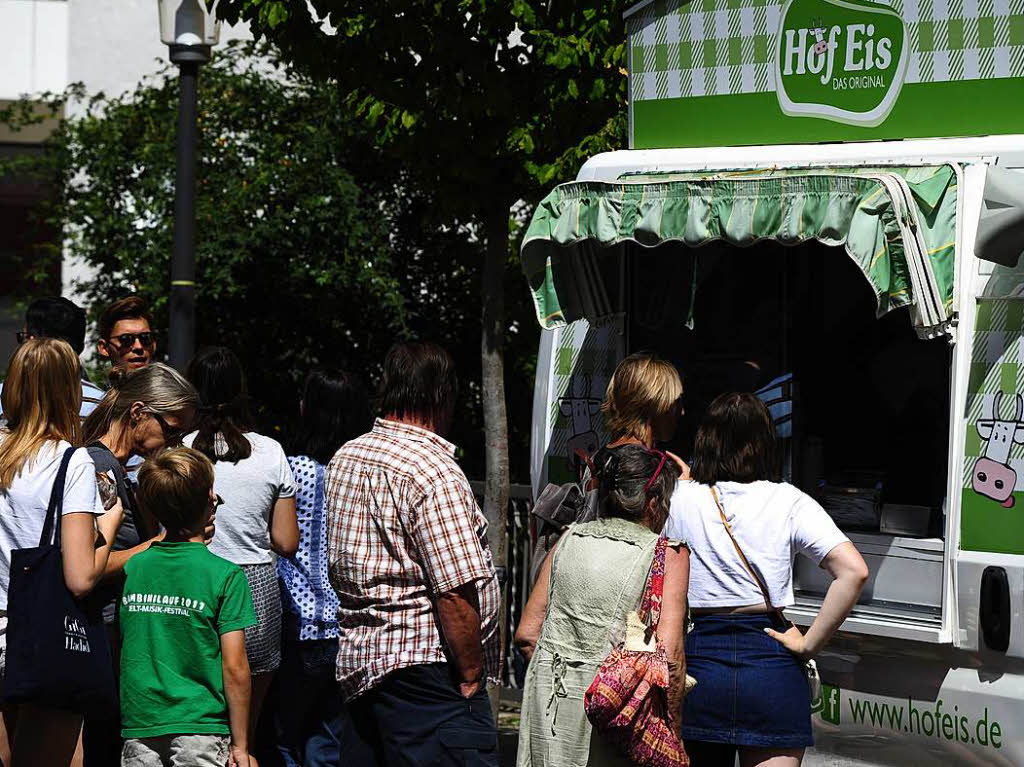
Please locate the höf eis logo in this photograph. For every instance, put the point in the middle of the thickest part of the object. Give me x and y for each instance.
(841, 60)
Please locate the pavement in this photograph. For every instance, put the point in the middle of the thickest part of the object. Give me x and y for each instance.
(508, 726)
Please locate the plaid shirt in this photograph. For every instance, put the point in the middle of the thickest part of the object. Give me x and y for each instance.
(402, 527)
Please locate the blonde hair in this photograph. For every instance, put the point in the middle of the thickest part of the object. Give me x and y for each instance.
(643, 387)
(160, 388)
(174, 487)
(41, 398)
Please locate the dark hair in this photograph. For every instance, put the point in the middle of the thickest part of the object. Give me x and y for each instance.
(335, 409)
(57, 317)
(127, 308)
(217, 374)
(419, 379)
(735, 442)
(623, 476)
(174, 486)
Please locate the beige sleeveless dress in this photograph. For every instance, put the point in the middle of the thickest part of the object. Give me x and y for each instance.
(598, 576)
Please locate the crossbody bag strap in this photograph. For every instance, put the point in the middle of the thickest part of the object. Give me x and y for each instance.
(746, 562)
(650, 603)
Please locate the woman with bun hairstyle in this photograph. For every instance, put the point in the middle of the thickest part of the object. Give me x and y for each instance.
(577, 612)
(257, 519)
(41, 399)
(144, 410)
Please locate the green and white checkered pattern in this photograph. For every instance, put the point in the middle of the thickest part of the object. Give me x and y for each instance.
(997, 365)
(683, 48)
(589, 351)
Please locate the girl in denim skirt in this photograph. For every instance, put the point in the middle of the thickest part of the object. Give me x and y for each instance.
(752, 694)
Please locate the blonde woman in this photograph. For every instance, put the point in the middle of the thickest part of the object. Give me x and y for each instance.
(41, 399)
(642, 404)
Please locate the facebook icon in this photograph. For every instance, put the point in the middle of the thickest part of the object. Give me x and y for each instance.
(828, 704)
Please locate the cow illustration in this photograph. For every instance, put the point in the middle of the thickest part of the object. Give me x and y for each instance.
(993, 477)
(818, 30)
(580, 408)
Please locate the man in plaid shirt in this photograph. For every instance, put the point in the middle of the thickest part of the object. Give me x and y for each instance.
(419, 599)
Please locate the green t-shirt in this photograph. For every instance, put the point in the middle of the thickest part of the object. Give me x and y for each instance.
(178, 599)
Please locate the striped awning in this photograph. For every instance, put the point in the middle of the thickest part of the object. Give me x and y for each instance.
(897, 224)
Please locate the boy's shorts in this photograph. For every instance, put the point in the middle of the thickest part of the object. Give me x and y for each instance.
(176, 751)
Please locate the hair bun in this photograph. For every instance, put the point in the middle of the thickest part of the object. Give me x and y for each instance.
(117, 376)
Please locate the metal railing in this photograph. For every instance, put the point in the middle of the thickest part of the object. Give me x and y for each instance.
(517, 571)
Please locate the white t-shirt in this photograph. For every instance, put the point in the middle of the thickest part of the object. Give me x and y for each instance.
(771, 521)
(250, 488)
(23, 504)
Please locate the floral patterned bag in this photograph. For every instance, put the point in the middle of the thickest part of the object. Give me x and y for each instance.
(627, 703)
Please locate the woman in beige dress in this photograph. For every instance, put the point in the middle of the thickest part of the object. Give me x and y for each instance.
(576, 614)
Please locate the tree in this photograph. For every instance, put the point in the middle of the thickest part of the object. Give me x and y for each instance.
(486, 102)
(313, 248)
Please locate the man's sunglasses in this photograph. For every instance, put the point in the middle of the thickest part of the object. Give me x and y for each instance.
(172, 434)
(127, 340)
(23, 336)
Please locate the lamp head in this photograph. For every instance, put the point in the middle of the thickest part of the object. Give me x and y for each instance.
(189, 28)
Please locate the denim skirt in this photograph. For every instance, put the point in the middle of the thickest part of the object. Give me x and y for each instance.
(750, 690)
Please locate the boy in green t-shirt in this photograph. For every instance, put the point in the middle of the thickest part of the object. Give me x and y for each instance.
(184, 673)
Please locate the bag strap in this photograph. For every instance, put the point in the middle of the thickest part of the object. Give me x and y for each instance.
(139, 517)
(55, 509)
(650, 603)
(746, 562)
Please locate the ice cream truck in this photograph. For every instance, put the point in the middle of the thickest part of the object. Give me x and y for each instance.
(823, 201)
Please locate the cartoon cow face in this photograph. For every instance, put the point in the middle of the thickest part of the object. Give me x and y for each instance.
(993, 477)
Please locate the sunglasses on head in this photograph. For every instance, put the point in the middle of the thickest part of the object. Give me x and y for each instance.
(127, 340)
(661, 465)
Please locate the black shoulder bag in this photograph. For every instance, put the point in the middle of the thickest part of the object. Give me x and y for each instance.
(57, 650)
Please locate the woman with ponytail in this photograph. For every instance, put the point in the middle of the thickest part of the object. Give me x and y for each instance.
(257, 519)
(144, 410)
(41, 399)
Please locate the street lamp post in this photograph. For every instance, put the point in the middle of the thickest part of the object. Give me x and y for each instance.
(189, 28)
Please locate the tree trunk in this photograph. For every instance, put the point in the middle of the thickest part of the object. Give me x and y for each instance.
(492, 355)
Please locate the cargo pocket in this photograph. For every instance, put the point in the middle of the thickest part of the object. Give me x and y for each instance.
(467, 745)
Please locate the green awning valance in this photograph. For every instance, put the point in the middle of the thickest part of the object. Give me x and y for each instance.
(898, 225)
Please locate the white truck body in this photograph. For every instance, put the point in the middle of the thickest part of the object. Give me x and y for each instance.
(901, 687)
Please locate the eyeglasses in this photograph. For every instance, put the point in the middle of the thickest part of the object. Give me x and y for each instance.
(217, 501)
(23, 336)
(127, 340)
(661, 465)
(172, 434)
